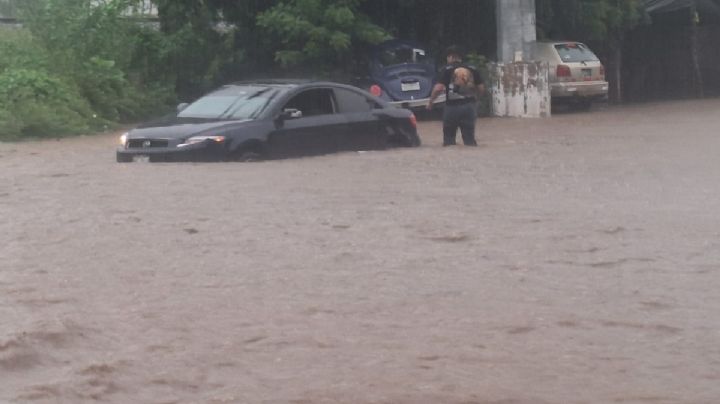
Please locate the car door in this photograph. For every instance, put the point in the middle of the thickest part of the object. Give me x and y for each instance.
(365, 127)
(314, 132)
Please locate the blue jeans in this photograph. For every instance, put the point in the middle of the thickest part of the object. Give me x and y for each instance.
(459, 116)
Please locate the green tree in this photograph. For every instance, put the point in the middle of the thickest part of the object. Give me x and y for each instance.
(33, 101)
(94, 45)
(100, 64)
(199, 45)
(318, 32)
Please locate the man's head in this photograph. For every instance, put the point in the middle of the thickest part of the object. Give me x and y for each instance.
(453, 54)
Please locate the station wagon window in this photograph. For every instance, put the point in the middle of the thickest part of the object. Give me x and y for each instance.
(575, 53)
(350, 101)
(318, 101)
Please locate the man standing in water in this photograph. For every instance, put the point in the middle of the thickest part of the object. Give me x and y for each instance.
(462, 85)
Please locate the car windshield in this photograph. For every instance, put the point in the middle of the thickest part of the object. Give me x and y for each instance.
(575, 53)
(231, 103)
(399, 56)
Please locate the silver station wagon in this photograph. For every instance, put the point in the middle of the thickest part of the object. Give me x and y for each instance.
(576, 75)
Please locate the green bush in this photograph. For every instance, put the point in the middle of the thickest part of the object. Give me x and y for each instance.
(10, 127)
(80, 66)
(19, 49)
(33, 103)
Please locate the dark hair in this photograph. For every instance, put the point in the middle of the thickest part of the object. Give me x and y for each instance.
(454, 50)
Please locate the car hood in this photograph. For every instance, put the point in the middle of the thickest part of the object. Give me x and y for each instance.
(391, 79)
(181, 128)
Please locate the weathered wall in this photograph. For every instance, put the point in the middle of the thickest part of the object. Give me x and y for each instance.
(515, 29)
(520, 89)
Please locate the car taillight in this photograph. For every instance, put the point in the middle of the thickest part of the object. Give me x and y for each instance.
(602, 72)
(563, 71)
(413, 120)
(375, 90)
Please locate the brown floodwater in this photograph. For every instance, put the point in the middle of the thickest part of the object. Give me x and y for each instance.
(568, 260)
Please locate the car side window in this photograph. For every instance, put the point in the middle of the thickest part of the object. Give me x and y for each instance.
(317, 101)
(350, 101)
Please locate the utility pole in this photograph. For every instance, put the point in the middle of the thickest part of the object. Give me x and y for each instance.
(695, 50)
(519, 85)
(516, 32)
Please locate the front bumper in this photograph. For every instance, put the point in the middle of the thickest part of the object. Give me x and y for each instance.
(204, 151)
(584, 89)
(418, 103)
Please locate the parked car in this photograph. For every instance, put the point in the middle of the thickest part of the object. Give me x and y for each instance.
(576, 75)
(402, 73)
(272, 119)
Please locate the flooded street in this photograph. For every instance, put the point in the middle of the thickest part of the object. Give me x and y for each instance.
(568, 260)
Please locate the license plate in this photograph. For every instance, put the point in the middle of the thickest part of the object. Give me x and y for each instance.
(587, 74)
(141, 159)
(410, 86)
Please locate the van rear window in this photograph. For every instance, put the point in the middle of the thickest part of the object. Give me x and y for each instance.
(575, 53)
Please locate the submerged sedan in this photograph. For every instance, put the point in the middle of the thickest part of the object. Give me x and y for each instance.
(272, 119)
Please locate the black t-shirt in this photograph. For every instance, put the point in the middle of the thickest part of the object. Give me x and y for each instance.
(460, 81)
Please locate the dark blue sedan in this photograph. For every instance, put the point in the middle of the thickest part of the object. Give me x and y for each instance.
(402, 73)
(272, 119)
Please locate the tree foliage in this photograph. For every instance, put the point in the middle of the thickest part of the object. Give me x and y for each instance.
(588, 20)
(318, 32)
(96, 61)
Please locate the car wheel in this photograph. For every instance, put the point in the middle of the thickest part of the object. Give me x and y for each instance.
(123, 158)
(403, 141)
(247, 154)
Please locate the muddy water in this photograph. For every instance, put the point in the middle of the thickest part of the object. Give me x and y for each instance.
(568, 260)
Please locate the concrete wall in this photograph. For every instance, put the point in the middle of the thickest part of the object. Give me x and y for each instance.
(516, 29)
(520, 90)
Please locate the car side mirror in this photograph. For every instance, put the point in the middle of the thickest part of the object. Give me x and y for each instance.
(182, 106)
(291, 113)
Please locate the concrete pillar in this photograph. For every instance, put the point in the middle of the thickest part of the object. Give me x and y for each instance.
(520, 89)
(516, 30)
(519, 85)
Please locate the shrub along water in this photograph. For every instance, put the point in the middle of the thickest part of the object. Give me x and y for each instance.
(78, 66)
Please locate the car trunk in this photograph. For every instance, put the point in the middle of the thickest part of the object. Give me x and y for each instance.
(586, 71)
(407, 81)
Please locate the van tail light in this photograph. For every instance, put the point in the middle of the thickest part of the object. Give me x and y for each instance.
(563, 71)
(375, 90)
(413, 120)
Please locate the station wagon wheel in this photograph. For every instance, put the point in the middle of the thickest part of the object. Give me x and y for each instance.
(582, 105)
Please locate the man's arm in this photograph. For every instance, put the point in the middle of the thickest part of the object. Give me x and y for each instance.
(437, 90)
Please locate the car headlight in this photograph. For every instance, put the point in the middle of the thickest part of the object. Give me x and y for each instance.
(200, 139)
(123, 139)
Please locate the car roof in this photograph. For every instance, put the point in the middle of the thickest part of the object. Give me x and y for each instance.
(557, 42)
(398, 43)
(285, 84)
(272, 82)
